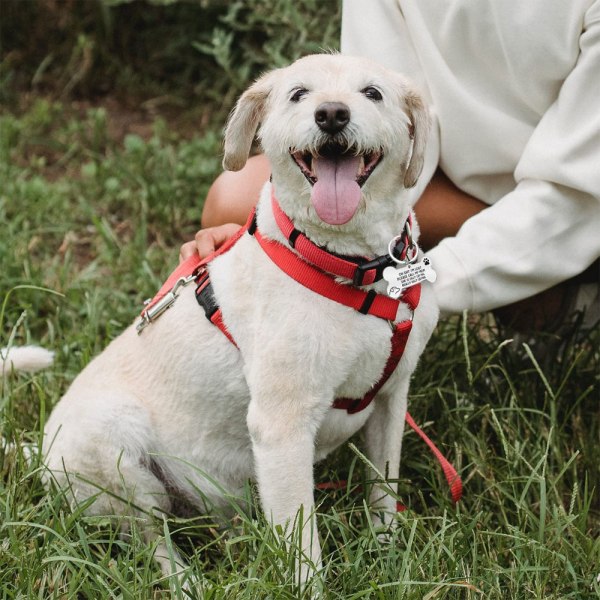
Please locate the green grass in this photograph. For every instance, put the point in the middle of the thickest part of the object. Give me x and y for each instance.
(90, 226)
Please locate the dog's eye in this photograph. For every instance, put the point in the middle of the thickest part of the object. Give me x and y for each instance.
(298, 94)
(372, 93)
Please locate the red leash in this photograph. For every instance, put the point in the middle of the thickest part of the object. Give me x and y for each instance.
(452, 477)
(187, 271)
(450, 473)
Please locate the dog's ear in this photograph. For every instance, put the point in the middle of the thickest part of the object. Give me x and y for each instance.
(244, 121)
(419, 131)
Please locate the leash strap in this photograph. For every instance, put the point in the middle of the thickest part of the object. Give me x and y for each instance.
(184, 269)
(452, 477)
(191, 267)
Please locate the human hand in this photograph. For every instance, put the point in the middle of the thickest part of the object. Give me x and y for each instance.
(206, 241)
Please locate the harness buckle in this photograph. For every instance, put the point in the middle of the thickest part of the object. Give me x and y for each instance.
(381, 262)
(151, 314)
(378, 264)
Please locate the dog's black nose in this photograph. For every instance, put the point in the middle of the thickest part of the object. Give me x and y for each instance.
(332, 117)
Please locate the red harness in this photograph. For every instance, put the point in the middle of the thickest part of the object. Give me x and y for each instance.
(315, 275)
(315, 271)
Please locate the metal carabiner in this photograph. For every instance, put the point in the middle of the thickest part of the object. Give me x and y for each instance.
(151, 314)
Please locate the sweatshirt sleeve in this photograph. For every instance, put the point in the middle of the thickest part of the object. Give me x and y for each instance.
(547, 229)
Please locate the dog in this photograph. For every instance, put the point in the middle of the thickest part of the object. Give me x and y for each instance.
(174, 407)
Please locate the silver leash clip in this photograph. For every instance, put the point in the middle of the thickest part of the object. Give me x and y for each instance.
(151, 314)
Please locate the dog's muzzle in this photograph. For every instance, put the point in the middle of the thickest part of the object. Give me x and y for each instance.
(336, 173)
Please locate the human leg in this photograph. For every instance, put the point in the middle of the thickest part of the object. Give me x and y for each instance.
(234, 193)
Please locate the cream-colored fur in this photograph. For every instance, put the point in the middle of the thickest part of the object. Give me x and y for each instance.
(24, 358)
(181, 408)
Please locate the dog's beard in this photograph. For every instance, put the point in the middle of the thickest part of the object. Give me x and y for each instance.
(336, 176)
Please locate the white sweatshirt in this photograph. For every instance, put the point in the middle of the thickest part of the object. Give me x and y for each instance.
(515, 91)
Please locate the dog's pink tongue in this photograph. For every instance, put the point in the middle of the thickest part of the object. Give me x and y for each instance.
(336, 194)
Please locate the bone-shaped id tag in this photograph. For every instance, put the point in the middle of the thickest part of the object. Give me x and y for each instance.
(408, 275)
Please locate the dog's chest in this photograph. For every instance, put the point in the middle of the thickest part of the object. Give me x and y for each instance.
(372, 348)
(298, 333)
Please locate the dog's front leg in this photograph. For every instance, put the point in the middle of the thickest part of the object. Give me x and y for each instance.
(384, 431)
(282, 429)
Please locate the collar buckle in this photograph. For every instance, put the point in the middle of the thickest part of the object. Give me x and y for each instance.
(379, 263)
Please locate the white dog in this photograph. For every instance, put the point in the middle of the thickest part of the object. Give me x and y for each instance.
(176, 407)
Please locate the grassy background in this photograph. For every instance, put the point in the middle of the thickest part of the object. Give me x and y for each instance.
(110, 131)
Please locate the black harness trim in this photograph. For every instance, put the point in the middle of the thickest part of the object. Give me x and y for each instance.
(205, 296)
(366, 305)
(293, 237)
(253, 225)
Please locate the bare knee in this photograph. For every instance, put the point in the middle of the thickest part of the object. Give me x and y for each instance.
(234, 193)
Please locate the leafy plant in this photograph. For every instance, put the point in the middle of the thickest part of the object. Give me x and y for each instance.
(182, 51)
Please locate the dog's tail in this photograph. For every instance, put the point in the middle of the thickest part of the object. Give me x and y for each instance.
(24, 358)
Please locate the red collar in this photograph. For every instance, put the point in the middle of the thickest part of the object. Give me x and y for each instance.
(315, 270)
(359, 270)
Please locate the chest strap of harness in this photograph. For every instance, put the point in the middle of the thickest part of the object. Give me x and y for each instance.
(322, 283)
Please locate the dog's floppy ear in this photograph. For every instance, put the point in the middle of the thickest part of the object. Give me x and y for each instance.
(244, 121)
(419, 131)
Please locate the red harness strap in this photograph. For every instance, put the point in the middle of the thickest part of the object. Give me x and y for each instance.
(192, 266)
(452, 477)
(399, 339)
(323, 284)
(304, 273)
(206, 298)
(370, 302)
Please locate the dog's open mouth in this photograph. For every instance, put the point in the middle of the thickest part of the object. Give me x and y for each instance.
(336, 174)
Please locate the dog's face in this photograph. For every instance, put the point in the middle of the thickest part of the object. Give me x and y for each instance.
(337, 127)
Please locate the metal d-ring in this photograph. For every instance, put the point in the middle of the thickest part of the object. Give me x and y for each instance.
(412, 251)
